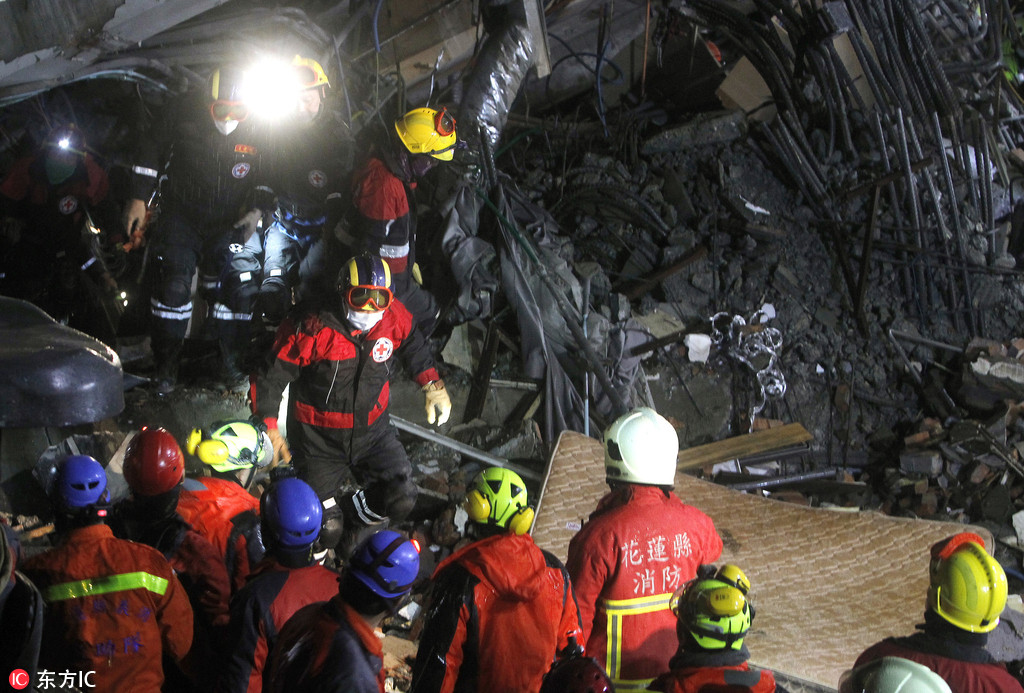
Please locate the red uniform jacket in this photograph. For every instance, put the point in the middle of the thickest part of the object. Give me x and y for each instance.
(962, 676)
(339, 379)
(501, 609)
(384, 224)
(324, 648)
(258, 612)
(114, 607)
(228, 517)
(734, 679)
(638, 547)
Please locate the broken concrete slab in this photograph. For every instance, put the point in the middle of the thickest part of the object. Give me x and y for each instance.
(702, 130)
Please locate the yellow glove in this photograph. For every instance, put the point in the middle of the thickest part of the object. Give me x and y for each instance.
(417, 276)
(437, 398)
(280, 445)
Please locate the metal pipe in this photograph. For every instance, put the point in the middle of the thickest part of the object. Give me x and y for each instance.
(467, 450)
(586, 372)
(783, 480)
(958, 227)
(923, 341)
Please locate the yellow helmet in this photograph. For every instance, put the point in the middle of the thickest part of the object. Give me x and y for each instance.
(715, 609)
(968, 587)
(427, 131)
(309, 73)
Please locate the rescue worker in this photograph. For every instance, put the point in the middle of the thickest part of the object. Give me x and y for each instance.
(334, 646)
(714, 615)
(892, 675)
(45, 246)
(114, 608)
(210, 207)
(286, 580)
(639, 546)
(501, 608)
(154, 468)
(338, 362)
(966, 594)
(385, 201)
(308, 174)
(221, 506)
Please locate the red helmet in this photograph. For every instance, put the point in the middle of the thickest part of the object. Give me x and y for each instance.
(153, 463)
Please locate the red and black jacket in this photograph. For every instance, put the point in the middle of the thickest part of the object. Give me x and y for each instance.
(384, 224)
(339, 379)
(327, 647)
(258, 612)
(56, 213)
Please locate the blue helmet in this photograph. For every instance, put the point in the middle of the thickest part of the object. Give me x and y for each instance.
(387, 563)
(80, 482)
(291, 513)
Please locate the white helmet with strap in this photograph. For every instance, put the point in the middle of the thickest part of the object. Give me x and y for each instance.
(641, 447)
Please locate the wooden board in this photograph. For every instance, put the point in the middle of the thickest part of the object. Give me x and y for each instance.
(743, 446)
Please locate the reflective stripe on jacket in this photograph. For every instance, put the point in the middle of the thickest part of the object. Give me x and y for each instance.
(114, 607)
(384, 224)
(339, 377)
(638, 547)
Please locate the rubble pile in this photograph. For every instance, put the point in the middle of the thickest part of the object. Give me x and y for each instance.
(868, 225)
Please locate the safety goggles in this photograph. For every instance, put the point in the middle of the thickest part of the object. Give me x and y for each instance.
(223, 111)
(444, 123)
(369, 298)
(305, 77)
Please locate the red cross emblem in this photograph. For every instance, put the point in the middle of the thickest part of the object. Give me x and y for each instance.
(68, 204)
(240, 170)
(317, 178)
(382, 350)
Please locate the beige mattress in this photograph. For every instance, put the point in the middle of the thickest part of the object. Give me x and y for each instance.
(826, 584)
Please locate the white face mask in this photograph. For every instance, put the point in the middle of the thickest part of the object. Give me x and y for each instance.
(226, 127)
(362, 320)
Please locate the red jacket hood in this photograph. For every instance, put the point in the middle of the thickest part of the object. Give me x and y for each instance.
(510, 563)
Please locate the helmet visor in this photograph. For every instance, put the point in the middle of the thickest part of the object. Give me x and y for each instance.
(223, 111)
(369, 298)
(444, 123)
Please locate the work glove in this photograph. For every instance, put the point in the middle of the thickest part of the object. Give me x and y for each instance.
(280, 445)
(437, 399)
(134, 219)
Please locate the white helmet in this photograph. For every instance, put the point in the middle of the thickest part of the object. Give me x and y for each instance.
(641, 447)
(892, 675)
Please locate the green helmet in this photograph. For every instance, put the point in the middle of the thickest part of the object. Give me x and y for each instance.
(892, 675)
(231, 445)
(497, 497)
(715, 610)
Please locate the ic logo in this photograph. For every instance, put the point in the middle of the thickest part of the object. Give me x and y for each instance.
(19, 679)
